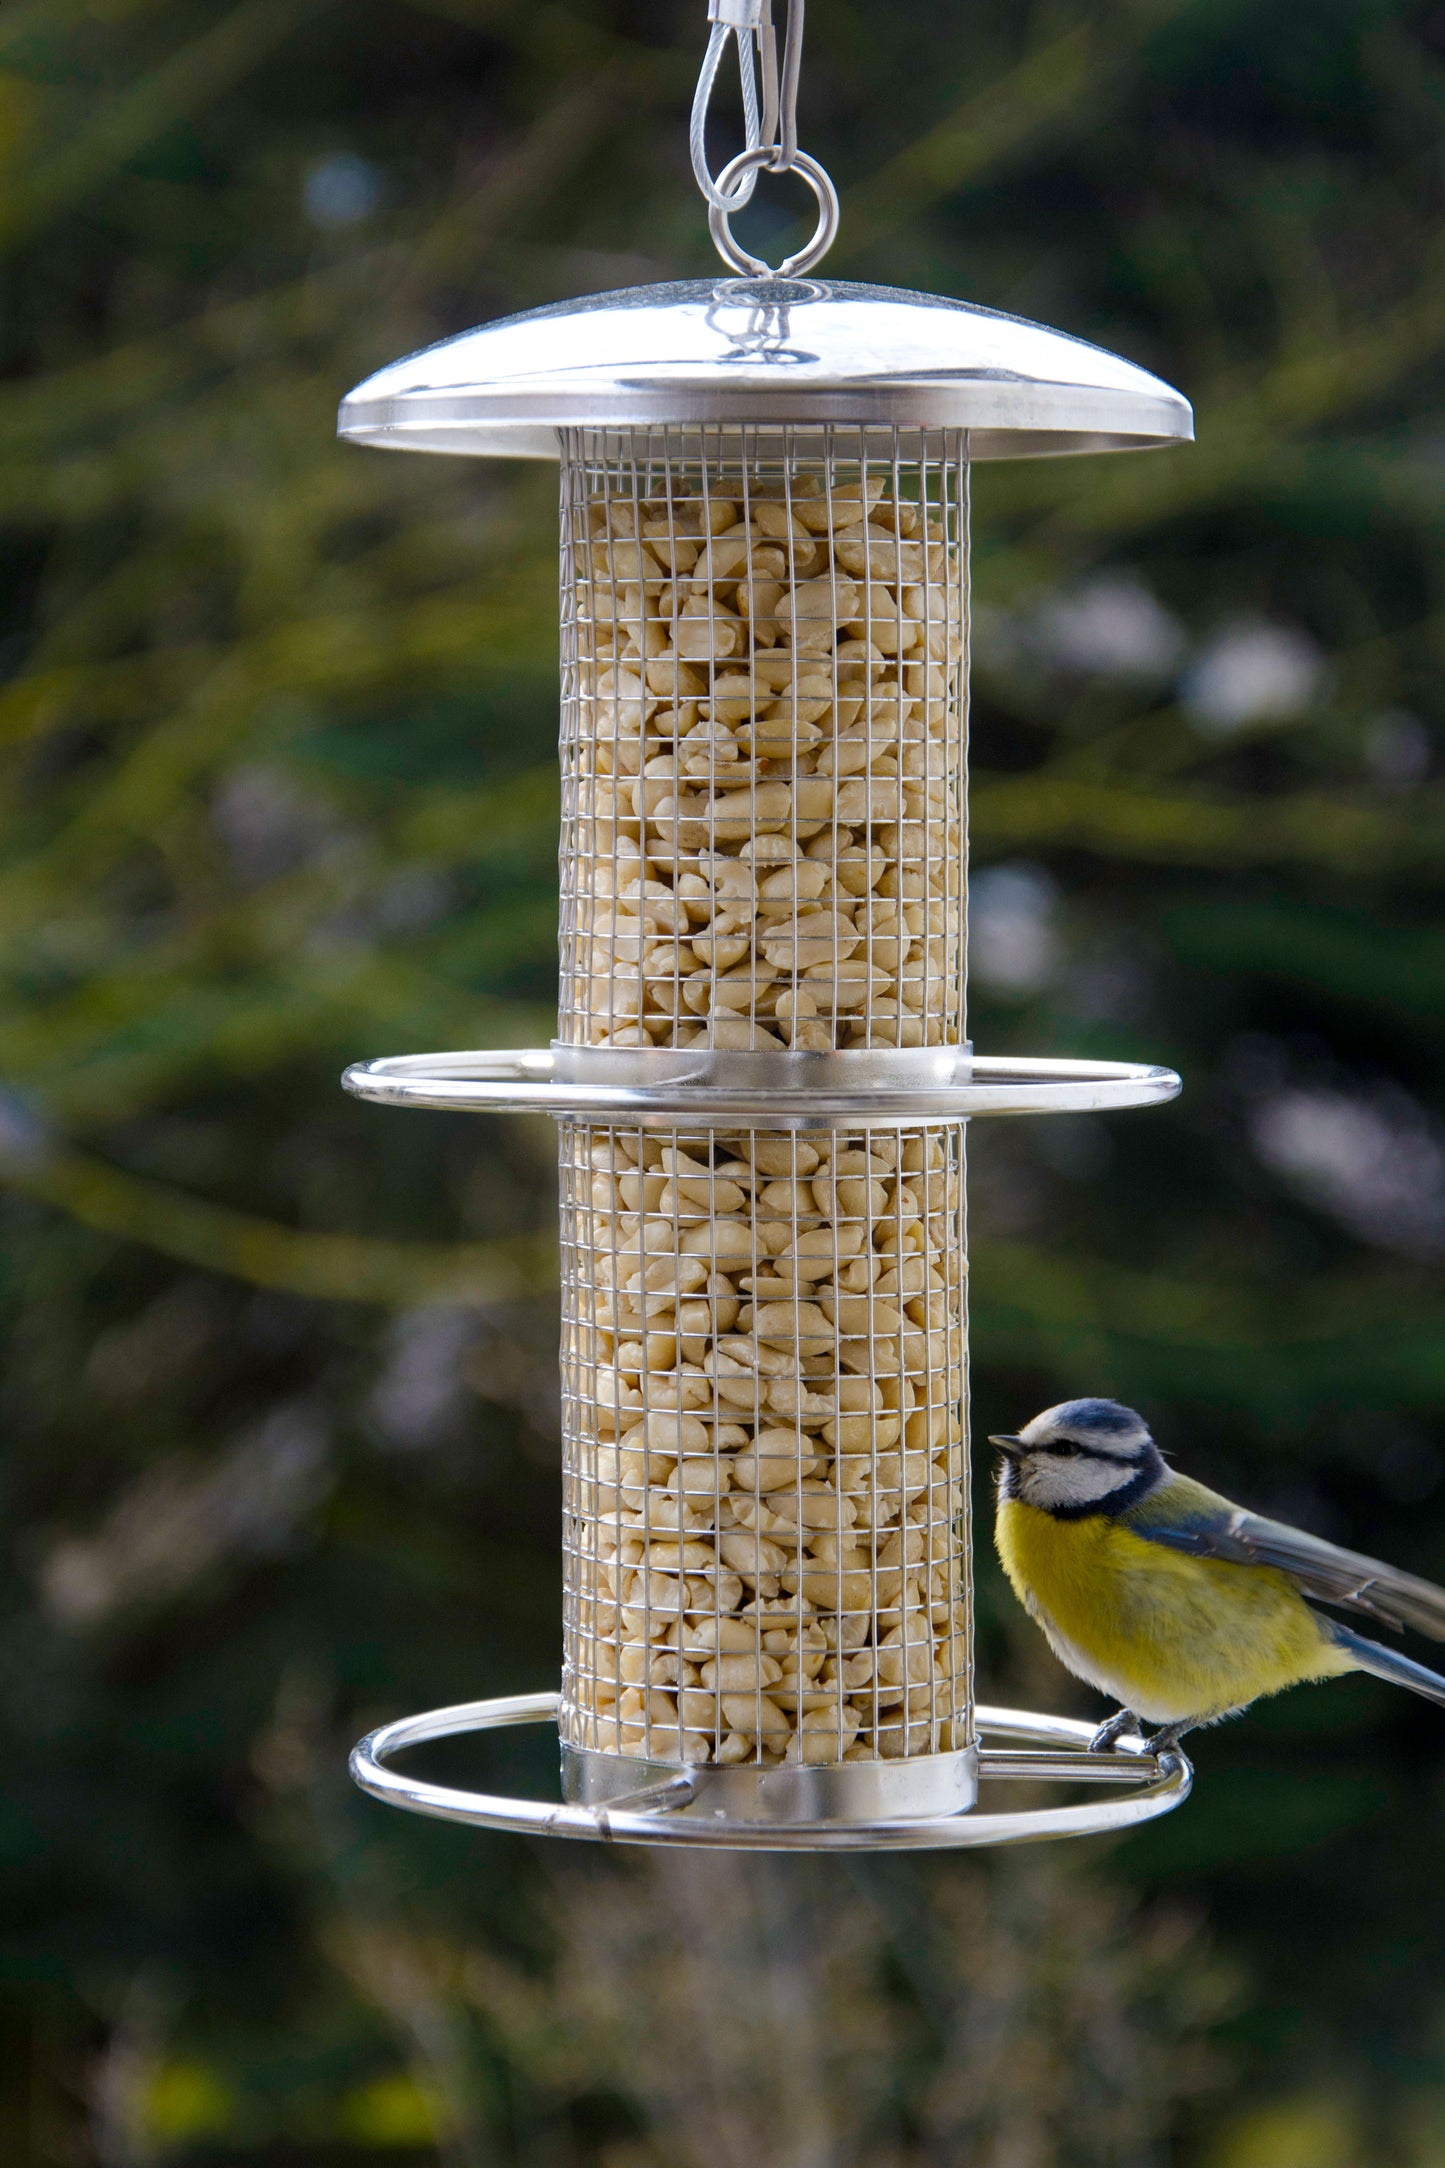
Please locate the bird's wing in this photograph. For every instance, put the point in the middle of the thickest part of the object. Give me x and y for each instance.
(1318, 1569)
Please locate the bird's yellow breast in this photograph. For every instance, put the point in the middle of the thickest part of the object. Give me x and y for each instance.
(1170, 1636)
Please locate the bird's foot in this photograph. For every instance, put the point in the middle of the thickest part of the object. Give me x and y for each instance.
(1167, 1738)
(1108, 1735)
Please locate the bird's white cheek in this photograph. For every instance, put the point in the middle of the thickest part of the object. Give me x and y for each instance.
(1055, 1484)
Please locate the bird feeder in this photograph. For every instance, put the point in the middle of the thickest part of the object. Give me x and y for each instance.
(762, 1077)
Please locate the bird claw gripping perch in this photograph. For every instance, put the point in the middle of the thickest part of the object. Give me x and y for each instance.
(1124, 1724)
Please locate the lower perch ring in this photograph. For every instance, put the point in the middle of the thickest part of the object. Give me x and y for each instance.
(677, 1809)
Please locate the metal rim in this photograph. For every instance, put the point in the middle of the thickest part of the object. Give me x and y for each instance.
(1058, 420)
(1159, 1784)
(526, 1082)
(770, 1070)
(915, 1787)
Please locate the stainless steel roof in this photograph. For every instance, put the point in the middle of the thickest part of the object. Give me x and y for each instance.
(755, 352)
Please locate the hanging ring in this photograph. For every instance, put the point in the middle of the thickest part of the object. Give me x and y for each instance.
(824, 234)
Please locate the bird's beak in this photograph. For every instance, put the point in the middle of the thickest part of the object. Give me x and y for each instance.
(1008, 1442)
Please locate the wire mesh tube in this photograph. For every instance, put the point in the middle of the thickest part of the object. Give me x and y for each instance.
(763, 1376)
(763, 760)
(764, 682)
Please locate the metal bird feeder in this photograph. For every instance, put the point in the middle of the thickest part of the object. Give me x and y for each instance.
(761, 1076)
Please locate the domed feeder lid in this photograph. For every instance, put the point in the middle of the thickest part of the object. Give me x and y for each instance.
(717, 355)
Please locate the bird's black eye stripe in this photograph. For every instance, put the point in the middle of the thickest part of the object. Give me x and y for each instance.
(1071, 1449)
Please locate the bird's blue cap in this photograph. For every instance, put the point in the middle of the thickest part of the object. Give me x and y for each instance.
(1105, 1418)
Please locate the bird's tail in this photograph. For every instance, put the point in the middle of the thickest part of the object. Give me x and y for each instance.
(1383, 1663)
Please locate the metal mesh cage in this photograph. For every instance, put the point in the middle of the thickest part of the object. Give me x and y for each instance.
(763, 1376)
(764, 682)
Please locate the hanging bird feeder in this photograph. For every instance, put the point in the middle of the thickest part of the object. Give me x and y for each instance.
(761, 1076)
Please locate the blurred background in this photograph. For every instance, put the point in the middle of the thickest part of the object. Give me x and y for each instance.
(277, 790)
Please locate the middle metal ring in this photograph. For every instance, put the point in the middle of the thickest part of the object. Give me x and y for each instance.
(823, 1091)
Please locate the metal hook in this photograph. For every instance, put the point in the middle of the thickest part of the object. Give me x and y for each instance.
(771, 140)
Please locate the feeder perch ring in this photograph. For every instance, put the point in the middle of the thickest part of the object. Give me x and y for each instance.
(1032, 1749)
(782, 1091)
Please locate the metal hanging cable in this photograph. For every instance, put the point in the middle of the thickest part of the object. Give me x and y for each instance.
(740, 20)
(770, 137)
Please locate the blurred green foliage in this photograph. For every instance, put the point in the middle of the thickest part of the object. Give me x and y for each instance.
(277, 789)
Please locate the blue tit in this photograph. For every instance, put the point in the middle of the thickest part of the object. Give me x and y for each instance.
(1178, 1604)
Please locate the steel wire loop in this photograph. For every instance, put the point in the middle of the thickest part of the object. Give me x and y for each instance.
(716, 194)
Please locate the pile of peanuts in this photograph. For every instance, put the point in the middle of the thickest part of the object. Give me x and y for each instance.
(763, 765)
(763, 1348)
